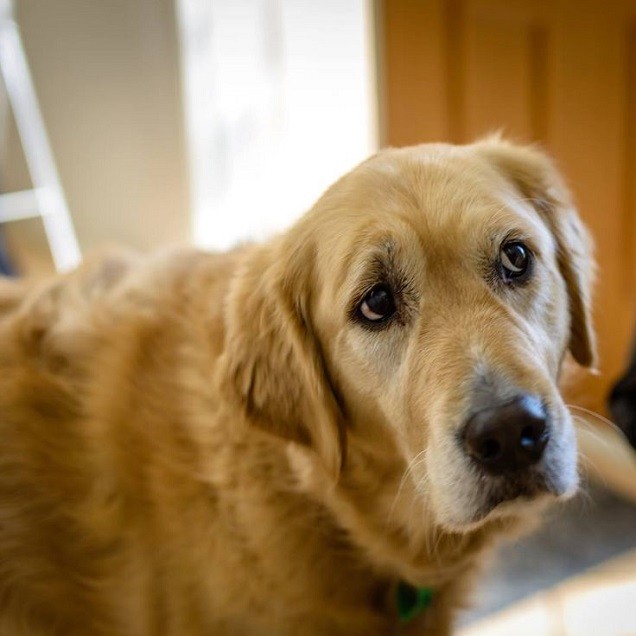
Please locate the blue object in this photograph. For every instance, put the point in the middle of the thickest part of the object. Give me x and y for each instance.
(5, 265)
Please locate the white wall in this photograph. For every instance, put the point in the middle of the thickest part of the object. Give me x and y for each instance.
(107, 76)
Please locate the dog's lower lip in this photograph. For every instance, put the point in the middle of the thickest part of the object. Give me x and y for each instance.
(527, 488)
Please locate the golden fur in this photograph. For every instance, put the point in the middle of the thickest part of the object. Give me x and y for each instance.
(209, 443)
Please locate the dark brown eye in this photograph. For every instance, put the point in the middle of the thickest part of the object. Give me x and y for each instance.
(377, 305)
(515, 261)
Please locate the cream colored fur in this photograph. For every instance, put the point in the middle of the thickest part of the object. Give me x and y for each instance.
(211, 444)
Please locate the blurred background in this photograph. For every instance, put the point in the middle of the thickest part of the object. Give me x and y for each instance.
(154, 122)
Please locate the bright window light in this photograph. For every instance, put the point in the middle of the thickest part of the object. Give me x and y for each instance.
(280, 101)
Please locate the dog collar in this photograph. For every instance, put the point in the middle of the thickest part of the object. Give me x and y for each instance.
(411, 601)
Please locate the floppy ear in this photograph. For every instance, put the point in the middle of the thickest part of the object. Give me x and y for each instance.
(537, 179)
(273, 363)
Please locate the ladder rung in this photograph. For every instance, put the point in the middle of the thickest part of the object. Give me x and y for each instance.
(16, 206)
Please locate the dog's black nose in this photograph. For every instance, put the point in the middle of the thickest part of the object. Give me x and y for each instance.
(509, 437)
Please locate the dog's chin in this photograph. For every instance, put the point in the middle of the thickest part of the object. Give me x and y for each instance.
(519, 508)
(524, 501)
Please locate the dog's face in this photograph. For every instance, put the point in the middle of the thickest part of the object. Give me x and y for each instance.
(433, 293)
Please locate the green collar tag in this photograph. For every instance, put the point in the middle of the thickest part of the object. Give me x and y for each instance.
(412, 601)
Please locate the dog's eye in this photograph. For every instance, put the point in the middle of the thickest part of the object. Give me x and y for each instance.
(515, 261)
(378, 304)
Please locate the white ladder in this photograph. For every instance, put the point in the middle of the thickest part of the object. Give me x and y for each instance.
(46, 199)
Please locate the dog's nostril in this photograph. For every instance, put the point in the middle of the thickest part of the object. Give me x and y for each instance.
(529, 438)
(490, 449)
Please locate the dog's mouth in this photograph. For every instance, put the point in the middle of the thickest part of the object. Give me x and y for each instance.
(526, 485)
(512, 494)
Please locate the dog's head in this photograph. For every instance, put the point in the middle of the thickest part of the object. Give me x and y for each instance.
(425, 305)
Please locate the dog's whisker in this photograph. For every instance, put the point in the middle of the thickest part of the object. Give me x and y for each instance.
(416, 507)
(429, 534)
(418, 459)
(599, 439)
(583, 459)
(585, 497)
(595, 416)
(586, 460)
(592, 433)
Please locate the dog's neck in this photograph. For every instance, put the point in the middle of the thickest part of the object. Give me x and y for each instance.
(395, 531)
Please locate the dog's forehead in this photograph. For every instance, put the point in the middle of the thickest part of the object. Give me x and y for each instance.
(441, 192)
(436, 186)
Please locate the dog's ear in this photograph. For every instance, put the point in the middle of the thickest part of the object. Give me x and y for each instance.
(273, 363)
(537, 179)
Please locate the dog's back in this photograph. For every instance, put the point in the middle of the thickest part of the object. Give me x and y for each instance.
(69, 349)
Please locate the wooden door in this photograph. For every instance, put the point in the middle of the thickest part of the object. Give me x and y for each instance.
(555, 71)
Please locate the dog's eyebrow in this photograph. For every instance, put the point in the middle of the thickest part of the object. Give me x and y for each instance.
(381, 266)
(381, 262)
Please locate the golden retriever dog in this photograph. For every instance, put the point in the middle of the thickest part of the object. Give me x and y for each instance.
(321, 434)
